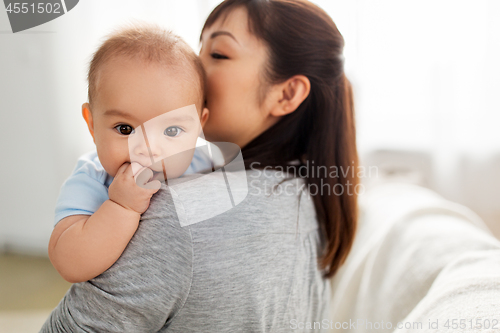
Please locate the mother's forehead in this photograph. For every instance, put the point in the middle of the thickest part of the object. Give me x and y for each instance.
(234, 25)
(234, 21)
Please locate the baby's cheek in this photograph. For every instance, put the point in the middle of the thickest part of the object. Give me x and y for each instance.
(115, 155)
(180, 146)
(177, 164)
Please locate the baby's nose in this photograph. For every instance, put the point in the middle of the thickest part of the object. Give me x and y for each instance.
(156, 146)
(138, 148)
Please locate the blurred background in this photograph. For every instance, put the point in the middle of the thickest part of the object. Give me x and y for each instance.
(426, 82)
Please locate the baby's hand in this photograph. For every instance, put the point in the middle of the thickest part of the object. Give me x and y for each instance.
(127, 193)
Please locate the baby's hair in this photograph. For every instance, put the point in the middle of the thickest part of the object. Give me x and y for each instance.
(151, 44)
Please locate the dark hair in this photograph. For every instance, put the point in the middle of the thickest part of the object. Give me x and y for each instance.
(302, 39)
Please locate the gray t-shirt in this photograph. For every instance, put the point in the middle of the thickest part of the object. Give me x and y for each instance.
(251, 269)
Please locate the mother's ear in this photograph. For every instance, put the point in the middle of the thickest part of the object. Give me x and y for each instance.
(292, 93)
(87, 115)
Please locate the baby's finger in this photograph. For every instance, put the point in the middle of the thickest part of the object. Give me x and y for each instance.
(136, 168)
(143, 177)
(122, 168)
(153, 185)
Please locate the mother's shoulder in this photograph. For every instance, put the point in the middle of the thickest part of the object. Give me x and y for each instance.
(250, 195)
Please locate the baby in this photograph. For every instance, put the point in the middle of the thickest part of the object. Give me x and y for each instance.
(145, 114)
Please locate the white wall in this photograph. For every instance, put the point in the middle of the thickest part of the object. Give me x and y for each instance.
(30, 143)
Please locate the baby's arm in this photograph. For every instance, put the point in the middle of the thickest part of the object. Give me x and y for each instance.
(83, 246)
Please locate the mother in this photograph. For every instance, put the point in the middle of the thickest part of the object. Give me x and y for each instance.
(276, 87)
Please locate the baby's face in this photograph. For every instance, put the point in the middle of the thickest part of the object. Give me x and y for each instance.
(145, 114)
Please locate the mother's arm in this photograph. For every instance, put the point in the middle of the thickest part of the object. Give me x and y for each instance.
(143, 290)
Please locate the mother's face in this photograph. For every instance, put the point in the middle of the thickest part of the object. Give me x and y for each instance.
(233, 59)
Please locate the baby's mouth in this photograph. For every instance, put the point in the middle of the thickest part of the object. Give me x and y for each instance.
(157, 168)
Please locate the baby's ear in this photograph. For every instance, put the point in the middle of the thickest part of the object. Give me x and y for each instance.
(87, 115)
(204, 116)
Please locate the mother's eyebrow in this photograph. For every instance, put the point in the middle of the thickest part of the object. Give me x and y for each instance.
(223, 33)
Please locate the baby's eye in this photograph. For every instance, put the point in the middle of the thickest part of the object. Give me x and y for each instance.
(125, 129)
(173, 131)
